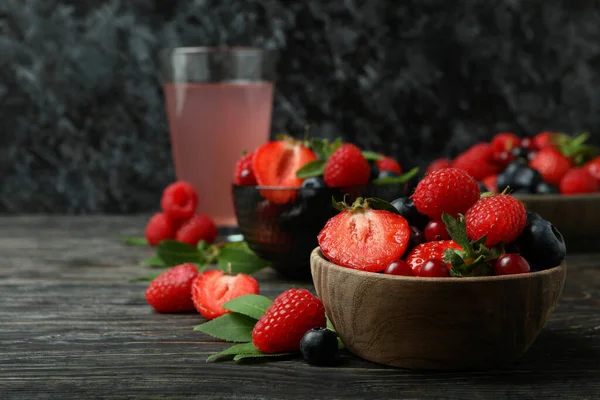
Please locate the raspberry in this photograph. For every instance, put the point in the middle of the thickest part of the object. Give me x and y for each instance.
(346, 167)
(199, 227)
(578, 180)
(160, 227)
(449, 190)
(505, 142)
(501, 218)
(244, 174)
(179, 200)
(171, 291)
(388, 164)
(292, 314)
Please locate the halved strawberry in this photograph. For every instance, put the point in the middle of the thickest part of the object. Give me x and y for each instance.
(276, 163)
(212, 289)
(362, 238)
(429, 251)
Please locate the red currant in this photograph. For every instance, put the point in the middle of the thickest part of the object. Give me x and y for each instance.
(434, 269)
(247, 178)
(399, 267)
(504, 158)
(436, 230)
(510, 264)
(528, 144)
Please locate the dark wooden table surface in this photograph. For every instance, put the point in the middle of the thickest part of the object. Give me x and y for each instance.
(73, 326)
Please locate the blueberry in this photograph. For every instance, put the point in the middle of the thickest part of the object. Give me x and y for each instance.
(541, 243)
(387, 174)
(416, 238)
(546, 188)
(527, 178)
(522, 191)
(407, 209)
(319, 346)
(514, 167)
(531, 155)
(520, 152)
(314, 182)
(482, 188)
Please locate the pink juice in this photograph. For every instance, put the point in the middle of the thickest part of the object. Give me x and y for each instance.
(211, 124)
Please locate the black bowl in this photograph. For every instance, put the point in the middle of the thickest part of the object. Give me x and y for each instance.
(285, 234)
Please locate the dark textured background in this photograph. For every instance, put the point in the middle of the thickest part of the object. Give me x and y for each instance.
(82, 123)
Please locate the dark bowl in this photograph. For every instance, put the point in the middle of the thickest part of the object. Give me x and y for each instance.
(285, 234)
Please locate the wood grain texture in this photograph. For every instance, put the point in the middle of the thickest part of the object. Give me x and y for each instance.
(428, 324)
(72, 326)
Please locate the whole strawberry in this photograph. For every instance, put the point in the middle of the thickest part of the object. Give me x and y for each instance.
(282, 326)
(388, 164)
(199, 227)
(171, 291)
(593, 167)
(362, 238)
(543, 140)
(346, 167)
(211, 289)
(429, 251)
(578, 181)
(449, 190)
(440, 163)
(478, 161)
(244, 174)
(160, 227)
(500, 217)
(552, 164)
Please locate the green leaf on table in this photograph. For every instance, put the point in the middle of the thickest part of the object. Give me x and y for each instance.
(154, 261)
(238, 259)
(397, 180)
(135, 241)
(233, 350)
(313, 168)
(251, 305)
(232, 327)
(371, 155)
(259, 354)
(145, 278)
(173, 252)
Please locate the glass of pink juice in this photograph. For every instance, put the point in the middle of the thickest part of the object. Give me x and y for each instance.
(219, 103)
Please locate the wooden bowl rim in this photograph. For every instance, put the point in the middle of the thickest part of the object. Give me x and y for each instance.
(557, 197)
(447, 281)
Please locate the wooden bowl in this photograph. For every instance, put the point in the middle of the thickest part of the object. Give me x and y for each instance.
(436, 323)
(577, 217)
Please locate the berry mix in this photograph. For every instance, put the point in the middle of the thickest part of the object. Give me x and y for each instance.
(548, 163)
(446, 228)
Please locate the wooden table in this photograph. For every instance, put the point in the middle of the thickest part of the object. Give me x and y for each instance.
(72, 326)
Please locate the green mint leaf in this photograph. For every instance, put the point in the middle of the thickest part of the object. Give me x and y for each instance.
(313, 168)
(396, 180)
(236, 259)
(145, 278)
(340, 343)
(371, 155)
(240, 348)
(251, 305)
(173, 252)
(259, 355)
(135, 241)
(458, 232)
(230, 327)
(380, 204)
(154, 261)
(320, 147)
(335, 145)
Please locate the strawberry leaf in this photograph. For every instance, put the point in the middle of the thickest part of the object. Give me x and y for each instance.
(396, 180)
(379, 204)
(236, 259)
(154, 261)
(230, 327)
(372, 156)
(329, 324)
(173, 252)
(251, 305)
(321, 147)
(334, 146)
(458, 232)
(135, 241)
(313, 168)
